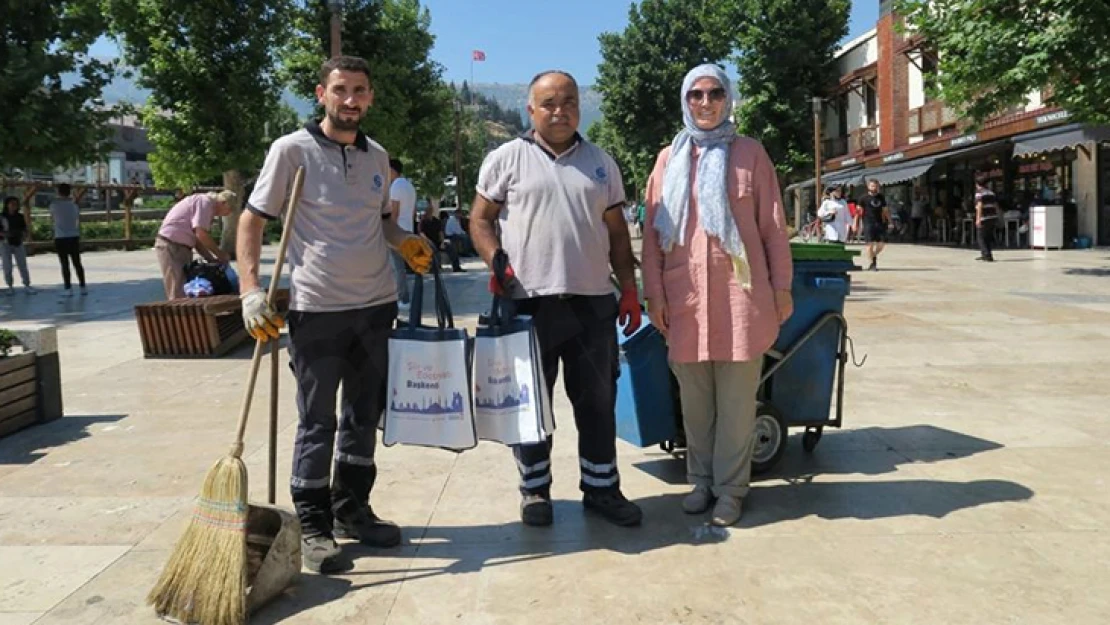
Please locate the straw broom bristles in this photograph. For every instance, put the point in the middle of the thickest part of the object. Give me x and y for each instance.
(205, 579)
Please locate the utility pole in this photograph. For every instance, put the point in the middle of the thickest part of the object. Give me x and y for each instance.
(336, 7)
(458, 155)
(817, 187)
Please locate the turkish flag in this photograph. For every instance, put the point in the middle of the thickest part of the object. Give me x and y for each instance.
(478, 55)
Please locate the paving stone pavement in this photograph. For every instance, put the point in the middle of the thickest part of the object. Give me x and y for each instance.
(965, 487)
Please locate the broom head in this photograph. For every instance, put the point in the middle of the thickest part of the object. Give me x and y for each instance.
(205, 578)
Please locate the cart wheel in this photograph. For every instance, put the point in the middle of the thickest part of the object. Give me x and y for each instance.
(770, 437)
(811, 438)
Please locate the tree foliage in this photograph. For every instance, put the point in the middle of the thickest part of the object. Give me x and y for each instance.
(994, 53)
(779, 75)
(489, 109)
(210, 68)
(641, 74)
(411, 103)
(47, 123)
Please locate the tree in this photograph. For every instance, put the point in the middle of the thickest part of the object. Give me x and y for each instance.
(45, 122)
(210, 68)
(785, 56)
(993, 53)
(410, 103)
(641, 74)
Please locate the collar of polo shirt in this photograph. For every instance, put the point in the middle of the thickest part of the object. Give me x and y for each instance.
(530, 136)
(314, 129)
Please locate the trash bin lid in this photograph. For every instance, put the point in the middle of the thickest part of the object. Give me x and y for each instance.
(821, 251)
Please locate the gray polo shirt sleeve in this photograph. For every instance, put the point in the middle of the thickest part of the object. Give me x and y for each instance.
(274, 181)
(616, 184)
(494, 176)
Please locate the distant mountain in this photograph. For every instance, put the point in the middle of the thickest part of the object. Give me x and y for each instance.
(515, 95)
(509, 96)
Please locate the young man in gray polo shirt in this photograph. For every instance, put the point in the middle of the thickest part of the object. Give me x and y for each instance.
(558, 199)
(343, 303)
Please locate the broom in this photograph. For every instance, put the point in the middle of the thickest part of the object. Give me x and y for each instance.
(205, 579)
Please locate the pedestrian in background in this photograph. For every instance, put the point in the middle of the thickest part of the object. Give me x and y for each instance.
(402, 200)
(986, 219)
(717, 277)
(835, 216)
(67, 238)
(15, 234)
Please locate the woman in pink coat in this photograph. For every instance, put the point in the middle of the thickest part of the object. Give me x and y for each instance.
(717, 277)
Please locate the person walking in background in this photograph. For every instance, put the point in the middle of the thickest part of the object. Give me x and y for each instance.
(15, 234)
(67, 237)
(875, 219)
(558, 199)
(919, 211)
(717, 278)
(836, 217)
(986, 220)
(402, 200)
(185, 228)
(456, 238)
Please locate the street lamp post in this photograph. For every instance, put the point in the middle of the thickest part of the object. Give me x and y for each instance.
(336, 7)
(817, 187)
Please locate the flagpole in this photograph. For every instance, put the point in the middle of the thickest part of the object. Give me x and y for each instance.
(471, 78)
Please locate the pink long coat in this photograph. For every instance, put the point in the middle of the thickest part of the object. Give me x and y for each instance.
(711, 317)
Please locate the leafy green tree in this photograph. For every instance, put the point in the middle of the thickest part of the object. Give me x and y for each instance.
(45, 122)
(410, 104)
(784, 53)
(641, 74)
(210, 68)
(993, 53)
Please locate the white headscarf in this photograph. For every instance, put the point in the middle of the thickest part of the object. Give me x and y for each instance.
(714, 208)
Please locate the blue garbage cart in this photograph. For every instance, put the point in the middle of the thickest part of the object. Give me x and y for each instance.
(802, 373)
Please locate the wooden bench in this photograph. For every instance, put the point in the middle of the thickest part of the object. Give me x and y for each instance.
(195, 327)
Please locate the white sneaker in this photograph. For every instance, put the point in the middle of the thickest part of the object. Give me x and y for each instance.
(403, 307)
(697, 501)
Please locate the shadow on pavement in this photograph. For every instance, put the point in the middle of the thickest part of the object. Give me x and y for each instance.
(29, 445)
(1100, 272)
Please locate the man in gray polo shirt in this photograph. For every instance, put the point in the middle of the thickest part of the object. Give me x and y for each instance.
(558, 199)
(343, 301)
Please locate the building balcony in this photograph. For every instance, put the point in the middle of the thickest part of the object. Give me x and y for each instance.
(864, 139)
(933, 116)
(832, 148)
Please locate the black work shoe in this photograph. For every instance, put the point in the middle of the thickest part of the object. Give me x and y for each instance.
(368, 529)
(536, 510)
(320, 554)
(612, 505)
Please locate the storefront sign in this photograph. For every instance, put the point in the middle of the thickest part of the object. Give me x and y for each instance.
(894, 157)
(964, 140)
(1034, 168)
(1052, 117)
(849, 161)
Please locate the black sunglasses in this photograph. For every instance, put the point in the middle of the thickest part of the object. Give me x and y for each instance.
(716, 94)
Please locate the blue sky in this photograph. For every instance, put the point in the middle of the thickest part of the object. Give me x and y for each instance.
(522, 38)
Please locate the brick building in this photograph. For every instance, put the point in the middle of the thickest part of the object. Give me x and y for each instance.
(880, 123)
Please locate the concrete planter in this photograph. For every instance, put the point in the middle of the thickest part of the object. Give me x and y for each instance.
(18, 392)
(30, 382)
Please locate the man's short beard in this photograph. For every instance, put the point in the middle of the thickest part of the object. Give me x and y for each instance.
(342, 124)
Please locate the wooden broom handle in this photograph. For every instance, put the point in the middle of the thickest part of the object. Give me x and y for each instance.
(271, 298)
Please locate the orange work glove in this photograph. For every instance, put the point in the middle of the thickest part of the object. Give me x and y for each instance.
(417, 252)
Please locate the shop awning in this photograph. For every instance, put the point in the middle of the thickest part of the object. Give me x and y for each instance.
(901, 172)
(1062, 138)
(837, 177)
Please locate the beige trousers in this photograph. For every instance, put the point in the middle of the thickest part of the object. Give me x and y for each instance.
(718, 412)
(173, 257)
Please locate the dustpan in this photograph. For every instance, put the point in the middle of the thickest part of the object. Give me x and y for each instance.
(273, 553)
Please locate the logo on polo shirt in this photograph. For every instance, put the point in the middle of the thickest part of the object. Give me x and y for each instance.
(377, 181)
(601, 173)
